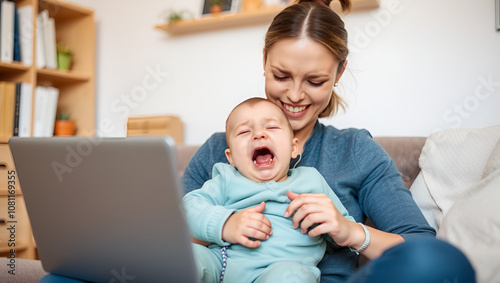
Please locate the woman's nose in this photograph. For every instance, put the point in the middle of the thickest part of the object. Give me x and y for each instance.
(295, 94)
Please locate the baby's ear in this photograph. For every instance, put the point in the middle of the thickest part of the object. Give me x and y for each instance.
(228, 156)
(295, 147)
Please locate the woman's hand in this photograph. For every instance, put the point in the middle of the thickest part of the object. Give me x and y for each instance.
(318, 209)
(245, 224)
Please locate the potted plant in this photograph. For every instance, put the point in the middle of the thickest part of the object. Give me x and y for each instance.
(215, 6)
(172, 16)
(64, 126)
(64, 57)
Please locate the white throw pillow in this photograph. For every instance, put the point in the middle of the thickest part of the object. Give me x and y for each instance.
(473, 225)
(453, 160)
(425, 202)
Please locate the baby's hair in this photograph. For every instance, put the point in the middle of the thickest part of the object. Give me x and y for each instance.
(253, 101)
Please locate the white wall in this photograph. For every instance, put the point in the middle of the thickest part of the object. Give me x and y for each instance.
(415, 66)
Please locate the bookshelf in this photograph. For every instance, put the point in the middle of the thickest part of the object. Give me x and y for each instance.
(75, 27)
(232, 20)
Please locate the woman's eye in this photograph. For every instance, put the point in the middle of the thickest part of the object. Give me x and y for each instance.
(316, 84)
(279, 78)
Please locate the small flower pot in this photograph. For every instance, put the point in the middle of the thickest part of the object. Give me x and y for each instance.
(64, 128)
(216, 9)
(251, 5)
(64, 61)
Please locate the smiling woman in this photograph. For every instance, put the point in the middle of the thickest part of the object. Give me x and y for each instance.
(305, 55)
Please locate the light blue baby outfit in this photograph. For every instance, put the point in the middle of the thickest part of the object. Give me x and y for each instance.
(285, 255)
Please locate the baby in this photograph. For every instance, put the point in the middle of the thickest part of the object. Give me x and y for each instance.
(260, 245)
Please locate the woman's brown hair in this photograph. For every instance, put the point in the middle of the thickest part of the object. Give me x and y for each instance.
(316, 20)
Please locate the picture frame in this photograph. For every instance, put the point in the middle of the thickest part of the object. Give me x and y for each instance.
(497, 12)
(228, 6)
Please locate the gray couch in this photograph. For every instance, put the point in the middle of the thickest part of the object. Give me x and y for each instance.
(405, 152)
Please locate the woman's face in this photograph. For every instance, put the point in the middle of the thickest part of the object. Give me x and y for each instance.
(300, 74)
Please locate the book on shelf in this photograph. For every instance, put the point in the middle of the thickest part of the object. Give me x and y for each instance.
(8, 100)
(46, 41)
(50, 43)
(7, 31)
(16, 56)
(45, 111)
(26, 29)
(40, 40)
(17, 106)
(25, 110)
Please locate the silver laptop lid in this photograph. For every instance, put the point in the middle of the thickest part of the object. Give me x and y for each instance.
(106, 210)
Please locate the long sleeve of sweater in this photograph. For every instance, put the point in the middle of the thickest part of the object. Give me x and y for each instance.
(205, 211)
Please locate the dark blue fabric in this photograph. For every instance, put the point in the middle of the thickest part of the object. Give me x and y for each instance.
(357, 169)
(53, 278)
(417, 261)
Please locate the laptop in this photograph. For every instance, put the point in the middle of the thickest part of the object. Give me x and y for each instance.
(106, 209)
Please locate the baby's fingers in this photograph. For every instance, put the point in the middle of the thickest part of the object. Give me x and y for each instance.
(244, 241)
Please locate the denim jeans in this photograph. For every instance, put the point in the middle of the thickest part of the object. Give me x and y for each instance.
(414, 261)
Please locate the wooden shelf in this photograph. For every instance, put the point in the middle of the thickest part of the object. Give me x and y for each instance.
(57, 77)
(61, 10)
(228, 20)
(221, 21)
(12, 67)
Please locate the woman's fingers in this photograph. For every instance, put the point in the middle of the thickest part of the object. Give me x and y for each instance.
(299, 200)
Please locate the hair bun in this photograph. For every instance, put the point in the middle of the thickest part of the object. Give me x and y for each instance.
(345, 4)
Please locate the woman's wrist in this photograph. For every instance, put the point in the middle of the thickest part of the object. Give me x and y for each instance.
(356, 236)
(358, 248)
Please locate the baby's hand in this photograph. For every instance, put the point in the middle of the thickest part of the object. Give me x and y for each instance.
(245, 224)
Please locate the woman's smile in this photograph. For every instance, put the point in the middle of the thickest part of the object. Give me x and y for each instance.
(294, 111)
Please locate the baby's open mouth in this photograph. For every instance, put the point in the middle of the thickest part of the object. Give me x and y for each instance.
(262, 156)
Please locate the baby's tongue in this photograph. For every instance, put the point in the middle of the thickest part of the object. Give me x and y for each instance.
(265, 158)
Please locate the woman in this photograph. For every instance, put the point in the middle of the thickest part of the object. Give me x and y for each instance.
(305, 56)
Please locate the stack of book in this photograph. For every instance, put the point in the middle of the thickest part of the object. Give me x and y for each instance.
(15, 110)
(16, 41)
(16, 26)
(46, 49)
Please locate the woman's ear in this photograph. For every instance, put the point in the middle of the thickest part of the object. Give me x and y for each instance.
(295, 147)
(228, 156)
(341, 72)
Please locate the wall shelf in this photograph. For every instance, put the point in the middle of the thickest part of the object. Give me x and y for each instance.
(47, 77)
(232, 20)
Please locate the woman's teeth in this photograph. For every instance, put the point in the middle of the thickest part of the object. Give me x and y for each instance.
(294, 109)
